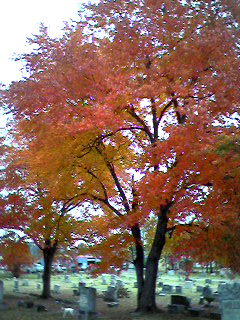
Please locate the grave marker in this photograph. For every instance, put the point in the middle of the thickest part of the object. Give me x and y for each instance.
(229, 297)
(3, 305)
(104, 279)
(176, 308)
(167, 288)
(66, 278)
(15, 289)
(208, 294)
(56, 288)
(1, 291)
(171, 272)
(199, 289)
(189, 285)
(178, 299)
(25, 283)
(111, 294)
(87, 302)
(178, 289)
(208, 281)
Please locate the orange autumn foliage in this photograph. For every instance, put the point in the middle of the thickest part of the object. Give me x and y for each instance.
(134, 89)
(15, 255)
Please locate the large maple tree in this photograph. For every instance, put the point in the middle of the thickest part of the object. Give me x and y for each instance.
(121, 112)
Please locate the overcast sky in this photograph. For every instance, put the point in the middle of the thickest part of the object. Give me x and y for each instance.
(19, 19)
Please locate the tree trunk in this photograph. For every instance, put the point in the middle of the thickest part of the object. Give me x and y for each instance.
(146, 292)
(139, 261)
(211, 267)
(48, 254)
(16, 270)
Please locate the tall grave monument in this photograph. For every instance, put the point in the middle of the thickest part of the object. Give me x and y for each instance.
(229, 297)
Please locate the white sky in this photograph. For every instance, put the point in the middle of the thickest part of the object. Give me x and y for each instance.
(19, 19)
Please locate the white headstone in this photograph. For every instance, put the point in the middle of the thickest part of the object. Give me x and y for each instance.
(87, 302)
(189, 285)
(25, 283)
(171, 272)
(104, 279)
(56, 288)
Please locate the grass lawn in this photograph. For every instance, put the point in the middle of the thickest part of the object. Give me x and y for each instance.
(124, 311)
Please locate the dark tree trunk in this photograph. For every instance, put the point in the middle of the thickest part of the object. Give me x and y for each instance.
(16, 270)
(48, 254)
(147, 284)
(211, 267)
(139, 261)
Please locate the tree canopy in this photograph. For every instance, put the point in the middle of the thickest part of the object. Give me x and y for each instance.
(125, 112)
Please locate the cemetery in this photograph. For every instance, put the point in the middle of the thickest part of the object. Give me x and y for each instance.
(109, 296)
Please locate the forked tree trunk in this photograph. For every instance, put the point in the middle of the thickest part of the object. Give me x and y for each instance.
(48, 254)
(147, 282)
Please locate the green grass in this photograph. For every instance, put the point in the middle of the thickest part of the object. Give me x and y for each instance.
(54, 312)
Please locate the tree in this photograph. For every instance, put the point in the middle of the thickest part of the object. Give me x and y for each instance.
(15, 253)
(134, 89)
(27, 205)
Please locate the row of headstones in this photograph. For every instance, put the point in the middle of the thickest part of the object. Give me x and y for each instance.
(26, 283)
(179, 289)
(228, 296)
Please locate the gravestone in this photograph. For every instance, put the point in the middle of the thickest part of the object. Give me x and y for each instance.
(87, 302)
(104, 279)
(135, 285)
(199, 289)
(208, 281)
(66, 278)
(208, 294)
(171, 272)
(82, 284)
(56, 288)
(189, 285)
(3, 305)
(195, 312)
(15, 289)
(178, 299)
(167, 288)
(113, 283)
(178, 289)
(38, 285)
(113, 280)
(25, 283)
(1, 291)
(111, 294)
(229, 297)
(220, 286)
(176, 308)
(120, 283)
